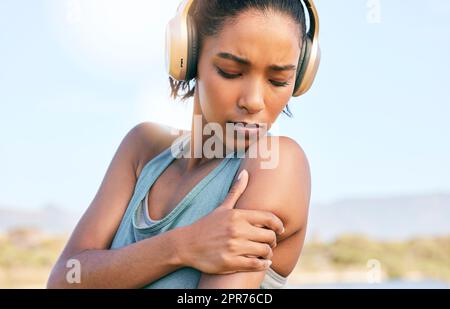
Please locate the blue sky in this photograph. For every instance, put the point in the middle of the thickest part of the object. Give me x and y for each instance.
(77, 75)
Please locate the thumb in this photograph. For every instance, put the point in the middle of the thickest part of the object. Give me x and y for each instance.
(236, 190)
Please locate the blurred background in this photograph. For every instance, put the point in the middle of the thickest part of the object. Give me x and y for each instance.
(77, 75)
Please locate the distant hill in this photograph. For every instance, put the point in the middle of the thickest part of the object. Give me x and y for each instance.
(50, 219)
(399, 217)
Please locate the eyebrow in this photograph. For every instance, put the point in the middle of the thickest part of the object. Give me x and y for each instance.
(273, 67)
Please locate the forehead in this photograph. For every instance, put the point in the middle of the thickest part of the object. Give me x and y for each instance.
(264, 38)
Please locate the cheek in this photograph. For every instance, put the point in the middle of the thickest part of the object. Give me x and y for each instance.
(276, 102)
(216, 95)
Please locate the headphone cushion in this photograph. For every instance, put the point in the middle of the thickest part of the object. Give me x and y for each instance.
(191, 69)
(303, 62)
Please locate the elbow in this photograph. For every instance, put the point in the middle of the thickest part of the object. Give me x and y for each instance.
(55, 279)
(52, 284)
(52, 281)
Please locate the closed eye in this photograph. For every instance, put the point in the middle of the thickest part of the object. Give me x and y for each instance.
(279, 84)
(227, 75)
(234, 76)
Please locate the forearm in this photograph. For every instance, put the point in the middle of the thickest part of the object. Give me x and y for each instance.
(132, 266)
(240, 280)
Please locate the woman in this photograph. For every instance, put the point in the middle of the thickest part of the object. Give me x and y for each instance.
(168, 214)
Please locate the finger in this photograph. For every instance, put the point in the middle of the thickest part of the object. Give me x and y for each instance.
(261, 235)
(267, 219)
(243, 263)
(255, 249)
(236, 190)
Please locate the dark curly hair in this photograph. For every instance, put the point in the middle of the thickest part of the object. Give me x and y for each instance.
(210, 16)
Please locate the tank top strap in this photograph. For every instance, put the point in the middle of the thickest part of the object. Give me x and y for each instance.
(153, 168)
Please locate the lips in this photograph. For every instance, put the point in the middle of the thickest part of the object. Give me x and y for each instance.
(247, 124)
(247, 129)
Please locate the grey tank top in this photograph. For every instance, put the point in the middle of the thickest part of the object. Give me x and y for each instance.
(206, 195)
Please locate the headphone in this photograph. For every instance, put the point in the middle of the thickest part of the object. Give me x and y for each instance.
(182, 48)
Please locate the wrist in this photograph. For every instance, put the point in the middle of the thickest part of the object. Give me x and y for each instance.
(179, 238)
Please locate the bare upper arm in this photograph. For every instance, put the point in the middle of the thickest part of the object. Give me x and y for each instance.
(283, 189)
(99, 223)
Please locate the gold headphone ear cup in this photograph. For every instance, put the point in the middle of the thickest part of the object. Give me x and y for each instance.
(176, 48)
(302, 64)
(180, 44)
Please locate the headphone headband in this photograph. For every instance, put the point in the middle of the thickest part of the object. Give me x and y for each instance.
(182, 53)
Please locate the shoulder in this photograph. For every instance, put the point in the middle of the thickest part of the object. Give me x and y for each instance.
(149, 139)
(279, 181)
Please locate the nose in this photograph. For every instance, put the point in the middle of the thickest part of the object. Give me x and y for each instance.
(252, 97)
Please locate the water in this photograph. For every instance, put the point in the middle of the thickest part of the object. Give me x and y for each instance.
(383, 285)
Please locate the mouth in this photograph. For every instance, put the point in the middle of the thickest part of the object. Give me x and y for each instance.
(248, 125)
(247, 129)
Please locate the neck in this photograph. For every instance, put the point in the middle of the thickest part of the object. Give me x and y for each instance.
(197, 157)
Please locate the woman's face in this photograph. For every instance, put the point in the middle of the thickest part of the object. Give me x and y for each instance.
(247, 72)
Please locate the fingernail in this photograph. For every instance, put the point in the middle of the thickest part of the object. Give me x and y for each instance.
(240, 174)
(282, 231)
(269, 262)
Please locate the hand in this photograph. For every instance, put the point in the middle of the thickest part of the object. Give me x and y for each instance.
(229, 240)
